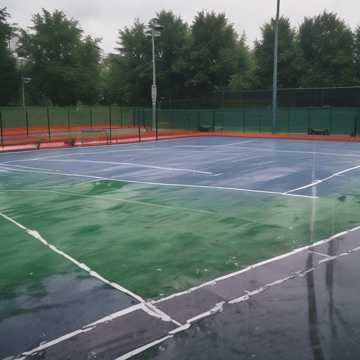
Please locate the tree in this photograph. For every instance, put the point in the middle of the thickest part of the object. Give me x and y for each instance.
(172, 54)
(357, 54)
(212, 61)
(9, 76)
(89, 59)
(245, 66)
(62, 65)
(287, 55)
(131, 68)
(326, 43)
(132, 65)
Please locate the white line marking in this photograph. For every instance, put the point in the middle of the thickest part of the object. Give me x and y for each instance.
(210, 187)
(149, 308)
(143, 348)
(262, 263)
(317, 182)
(218, 307)
(82, 330)
(133, 164)
(210, 148)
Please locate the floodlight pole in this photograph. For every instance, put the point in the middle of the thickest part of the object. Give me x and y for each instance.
(153, 88)
(275, 69)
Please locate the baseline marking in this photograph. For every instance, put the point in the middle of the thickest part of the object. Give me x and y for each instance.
(29, 169)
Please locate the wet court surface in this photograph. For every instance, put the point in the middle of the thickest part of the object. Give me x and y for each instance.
(112, 251)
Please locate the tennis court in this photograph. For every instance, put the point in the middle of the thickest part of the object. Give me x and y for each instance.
(132, 250)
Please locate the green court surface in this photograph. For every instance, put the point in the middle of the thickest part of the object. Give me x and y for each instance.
(152, 240)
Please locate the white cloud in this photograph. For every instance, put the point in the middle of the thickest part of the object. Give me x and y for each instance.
(104, 18)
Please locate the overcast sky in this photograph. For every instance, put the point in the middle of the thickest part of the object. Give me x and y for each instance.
(104, 18)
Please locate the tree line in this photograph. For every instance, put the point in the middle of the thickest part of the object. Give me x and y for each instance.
(65, 66)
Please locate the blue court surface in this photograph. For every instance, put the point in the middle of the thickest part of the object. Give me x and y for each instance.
(286, 167)
(231, 248)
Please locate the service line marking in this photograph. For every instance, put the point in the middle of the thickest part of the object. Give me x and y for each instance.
(28, 169)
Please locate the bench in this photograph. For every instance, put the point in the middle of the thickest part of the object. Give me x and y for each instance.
(323, 132)
(93, 134)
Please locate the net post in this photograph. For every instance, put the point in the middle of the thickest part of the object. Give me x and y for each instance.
(121, 117)
(110, 125)
(1, 130)
(48, 122)
(213, 120)
(308, 120)
(139, 134)
(27, 122)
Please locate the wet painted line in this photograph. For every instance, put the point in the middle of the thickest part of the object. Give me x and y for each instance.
(320, 181)
(30, 169)
(257, 265)
(148, 307)
(218, 307)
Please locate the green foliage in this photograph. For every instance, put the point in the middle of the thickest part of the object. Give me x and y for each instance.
(9, 76)
(287, 60)
(62, 65)
(172, 54)
(245, 67)
(357, 54)
(211, 54)
(326, 44)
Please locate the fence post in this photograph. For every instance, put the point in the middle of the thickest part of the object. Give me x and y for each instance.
(68, 119)
(27, 122)
(261, 124)
(48, 122)
(243, 120)
(330, 119)
(289, 120)
(213, 120)
(1, 130)
(110, 124)
(157, 123)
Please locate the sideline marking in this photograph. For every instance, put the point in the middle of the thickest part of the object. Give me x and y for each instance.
(29, 169)
(217, 308)
(83, 329)
(256, 265)
(317, 182)
(149, 308)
